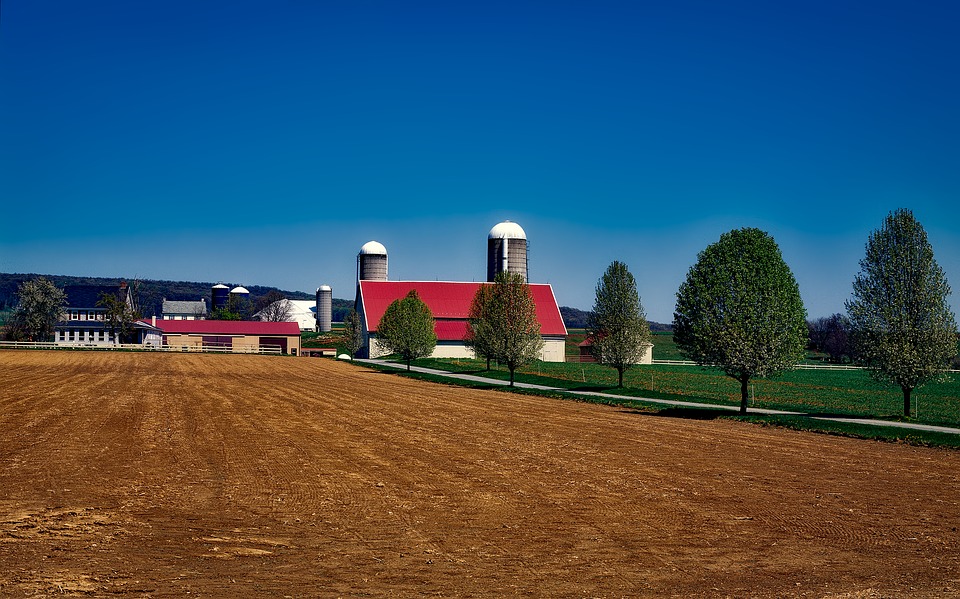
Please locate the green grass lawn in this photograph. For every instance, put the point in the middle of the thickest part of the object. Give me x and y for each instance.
(841, 392)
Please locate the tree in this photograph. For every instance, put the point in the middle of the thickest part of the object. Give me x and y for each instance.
(617, 327)
(512, 316)
(121, 313)
(406, 328)
(274, 307)
(740, 309)
(353, 332)
(831, 335)
(902, 326)
(40, 305)
(481, 335)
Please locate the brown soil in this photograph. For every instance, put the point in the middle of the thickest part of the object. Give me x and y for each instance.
(157, 475)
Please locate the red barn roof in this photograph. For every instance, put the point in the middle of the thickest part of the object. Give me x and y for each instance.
(227, 327)
(450, 304)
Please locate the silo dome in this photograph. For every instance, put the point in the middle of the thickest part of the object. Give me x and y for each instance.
(239, 289)
(373, 248)
(324, 288)
(507, 230)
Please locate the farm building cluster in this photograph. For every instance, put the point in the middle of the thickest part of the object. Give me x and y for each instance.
(186, 324)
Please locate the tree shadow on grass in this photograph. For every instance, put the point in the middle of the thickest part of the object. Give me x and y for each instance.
(687, 413)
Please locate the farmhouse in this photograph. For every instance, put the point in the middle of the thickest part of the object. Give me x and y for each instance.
(84, 319)
(184, 310)
(450, 304)
(230, 335)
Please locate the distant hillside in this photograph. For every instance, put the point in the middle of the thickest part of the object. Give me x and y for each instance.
(578, 319)
(152, 292)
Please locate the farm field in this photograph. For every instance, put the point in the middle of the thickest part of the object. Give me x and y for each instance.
(153, 475)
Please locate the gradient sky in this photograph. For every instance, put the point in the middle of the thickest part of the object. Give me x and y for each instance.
(262, 143)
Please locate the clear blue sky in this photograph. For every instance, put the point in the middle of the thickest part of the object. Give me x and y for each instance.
(265, 142)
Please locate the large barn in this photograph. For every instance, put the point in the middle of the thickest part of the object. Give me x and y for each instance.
(450, 301)
(450, 304)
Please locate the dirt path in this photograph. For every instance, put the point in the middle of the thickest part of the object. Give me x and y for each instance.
(159, 475)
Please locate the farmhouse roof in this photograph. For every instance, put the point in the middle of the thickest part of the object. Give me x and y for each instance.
(228, 327)
(450, 304)
(87, 296)
(184, 307)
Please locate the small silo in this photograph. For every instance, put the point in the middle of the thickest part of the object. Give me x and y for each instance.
(240, 291)
(506, 250)
(324, 308)
(219, 294)
(372, 262)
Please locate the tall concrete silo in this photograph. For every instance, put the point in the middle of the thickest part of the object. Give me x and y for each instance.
(219, 294)
(324, 308)
(506, 250)
(372, 262)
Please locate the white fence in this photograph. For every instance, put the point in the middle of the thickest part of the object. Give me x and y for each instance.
(268, 349)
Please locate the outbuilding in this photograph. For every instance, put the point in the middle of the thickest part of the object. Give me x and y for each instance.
(231, 335)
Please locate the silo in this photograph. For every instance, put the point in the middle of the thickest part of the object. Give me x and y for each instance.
(218, 296)
(324, 308)
(506, 250)
(240, 291)
(372, 262)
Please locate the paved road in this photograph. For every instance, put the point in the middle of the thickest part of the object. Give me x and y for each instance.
(671, 402)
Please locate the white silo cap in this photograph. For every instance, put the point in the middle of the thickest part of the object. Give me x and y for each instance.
(324, 288)
(239, 289)
(373, 247)
(220, 286)
(507, 230)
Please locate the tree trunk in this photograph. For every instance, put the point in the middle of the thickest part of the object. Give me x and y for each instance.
(408, 364)
(488, 363)
(619, 378)
(743, 394)
(511, 375)
(906, 401)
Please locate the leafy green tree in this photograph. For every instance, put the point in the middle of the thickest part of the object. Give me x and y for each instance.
(511, 315)
(40, 305)
(353, 332)
(740, 309)
(406, 328)
(618, 328)
(121, 314)
(902, 326)
(481, 335)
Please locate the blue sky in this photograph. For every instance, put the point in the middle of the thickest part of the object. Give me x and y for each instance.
(263, 143)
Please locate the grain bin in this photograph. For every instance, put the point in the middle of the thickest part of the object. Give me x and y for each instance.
(324, 308)
(506, 250)
(372, 262)
(218, 296)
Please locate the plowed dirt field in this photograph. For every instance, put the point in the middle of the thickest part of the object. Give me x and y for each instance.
(158, 475)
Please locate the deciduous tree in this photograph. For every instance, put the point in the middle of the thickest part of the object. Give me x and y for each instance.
(618, 328)
(353, 332)
(40, 305)
(740, 309)
(902, 326)
(406, 328)
(481, 335)
(274, 307)
(511, 315)
(121, 313)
